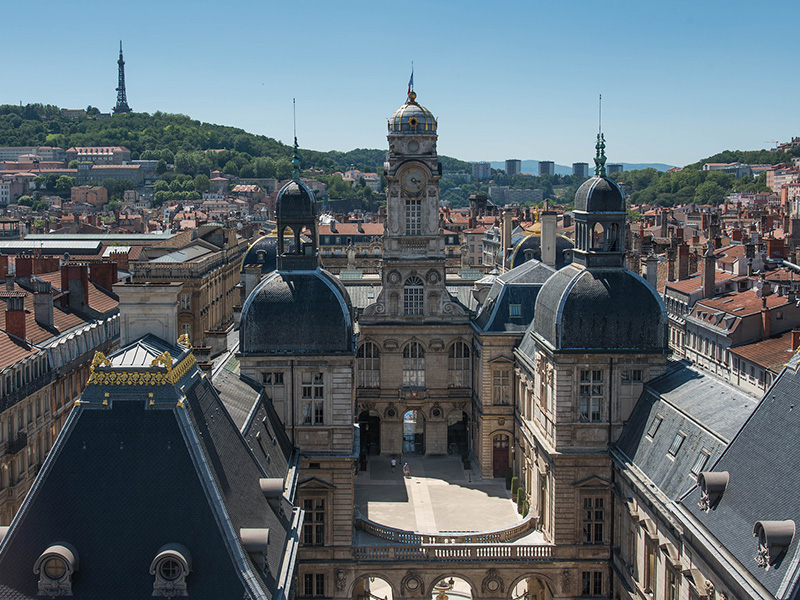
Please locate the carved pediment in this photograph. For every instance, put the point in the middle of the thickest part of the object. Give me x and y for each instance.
(595, 481)
(315, 483)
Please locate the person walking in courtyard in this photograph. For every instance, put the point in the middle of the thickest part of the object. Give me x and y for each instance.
(406, 470)
(394, 464)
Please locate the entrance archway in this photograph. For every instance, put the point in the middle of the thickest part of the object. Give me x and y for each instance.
(369, 422)
(499, 455)
(413, 432)
(372, 587)
(457, 432)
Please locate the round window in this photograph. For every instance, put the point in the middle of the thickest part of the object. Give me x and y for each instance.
(413, 121)
(391, 412)
(170, 569)
(55, 568)
(436, 412)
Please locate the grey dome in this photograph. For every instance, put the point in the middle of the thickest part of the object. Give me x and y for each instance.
(600, 311)
(599, 194)
(297, 312)
(534, 242)
(412, 118)
(263, 252)
(295, 201)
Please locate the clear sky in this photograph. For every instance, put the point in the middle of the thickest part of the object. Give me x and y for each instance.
(518, 79)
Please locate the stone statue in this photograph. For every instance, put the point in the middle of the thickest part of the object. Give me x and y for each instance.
(351, 256)
(464, 256)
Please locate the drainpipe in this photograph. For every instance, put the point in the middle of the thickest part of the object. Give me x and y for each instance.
(612, 523)
(294, 413)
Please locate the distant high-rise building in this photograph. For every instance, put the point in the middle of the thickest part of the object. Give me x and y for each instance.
(615, 168)
(122, 98)
(580, 170)
(481, 170)
(513, 166)
(547, 167)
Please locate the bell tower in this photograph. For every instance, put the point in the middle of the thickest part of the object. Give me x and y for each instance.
(413, 271)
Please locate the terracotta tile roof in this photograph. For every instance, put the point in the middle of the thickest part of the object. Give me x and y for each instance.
(352, 229)
(772, 353)
(739, 304)
(695, 282)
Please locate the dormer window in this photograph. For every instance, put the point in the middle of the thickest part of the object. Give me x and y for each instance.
(55, 567)
(654, 425)
(774, 538)
(676, 443)
(170, 567)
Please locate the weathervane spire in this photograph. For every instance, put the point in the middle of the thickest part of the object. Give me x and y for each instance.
(600, 146)
(411, 95)
(296, 154)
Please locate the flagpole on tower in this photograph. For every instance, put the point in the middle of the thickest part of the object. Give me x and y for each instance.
(411, 82)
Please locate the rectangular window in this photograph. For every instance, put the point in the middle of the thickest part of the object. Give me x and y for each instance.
(671, 592)
(593, 519)
(314, 522)
(413, 217)
(514, 310)
(501, 386)
(699, 462)
(314, 584)
(654, 425)
(186, 301)
(591, 395)
(592, 583)
(676, 443)
(313, 395)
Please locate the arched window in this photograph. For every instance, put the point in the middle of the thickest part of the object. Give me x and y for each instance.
(413, 365)
(598, 237)
(413, 296)
(368, 365)
(460, 365)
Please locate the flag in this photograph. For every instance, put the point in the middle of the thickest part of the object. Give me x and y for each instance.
(410, 82)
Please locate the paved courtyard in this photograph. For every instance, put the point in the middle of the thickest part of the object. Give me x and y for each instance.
(438, 497)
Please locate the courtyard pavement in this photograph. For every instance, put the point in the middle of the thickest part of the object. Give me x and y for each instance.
(438, 497)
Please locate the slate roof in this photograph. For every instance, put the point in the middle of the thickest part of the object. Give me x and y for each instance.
(582, 309)
(688, 401)
(264, 252)
(762, 464)
(306, 312)
(519, 286)
(599, 194)
(525, 241)
(124, 479)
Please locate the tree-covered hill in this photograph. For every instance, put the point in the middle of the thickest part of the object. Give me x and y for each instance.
(179, 140)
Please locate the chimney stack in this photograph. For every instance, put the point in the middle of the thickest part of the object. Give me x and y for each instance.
(709, 272)
(43, 302)
(15, 314)
(683, 261)
(75, 280)
(103, 274)
(795, 339)
(505, 237)
(548, 238)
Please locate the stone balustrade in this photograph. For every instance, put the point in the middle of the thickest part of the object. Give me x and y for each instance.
(400, 536)
(454, 553)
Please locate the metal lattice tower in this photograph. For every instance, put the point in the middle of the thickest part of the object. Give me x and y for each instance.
(122, 100)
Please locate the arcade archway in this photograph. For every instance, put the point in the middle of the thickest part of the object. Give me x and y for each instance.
(413, 432)
(372, 587)
(531, 588)
(452, 588)
(457, 432)
(369, 422)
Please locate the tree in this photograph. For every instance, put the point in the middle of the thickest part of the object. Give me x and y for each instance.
(64, 184)
(25, 201)
(202, 183)
(709, 192)
(161, 166)
(39, 206)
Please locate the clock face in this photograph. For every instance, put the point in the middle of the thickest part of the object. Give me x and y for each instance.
(413, 180)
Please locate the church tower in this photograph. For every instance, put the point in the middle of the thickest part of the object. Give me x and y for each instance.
(413, 246)
(413, 363)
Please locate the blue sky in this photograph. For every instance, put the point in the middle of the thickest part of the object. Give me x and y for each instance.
(680, 80)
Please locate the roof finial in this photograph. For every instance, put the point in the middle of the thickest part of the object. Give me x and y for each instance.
(412, 96)
(600, 146)
(296, 155)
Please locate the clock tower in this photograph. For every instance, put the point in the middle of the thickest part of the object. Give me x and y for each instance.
(413, 274)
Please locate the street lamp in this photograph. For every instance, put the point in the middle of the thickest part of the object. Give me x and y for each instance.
(442, 588)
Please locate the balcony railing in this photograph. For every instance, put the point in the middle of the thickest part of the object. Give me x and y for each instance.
(400, 536)
(454, 553)
(18, 444)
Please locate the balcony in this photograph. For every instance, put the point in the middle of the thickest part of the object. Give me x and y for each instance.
(18, 444)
